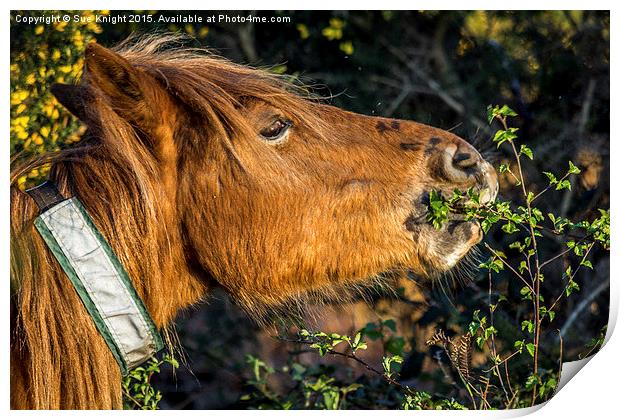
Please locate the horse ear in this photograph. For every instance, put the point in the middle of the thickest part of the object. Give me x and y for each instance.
(73, 97)
(114, 76)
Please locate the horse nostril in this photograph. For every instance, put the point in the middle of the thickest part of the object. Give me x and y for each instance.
(464, 160)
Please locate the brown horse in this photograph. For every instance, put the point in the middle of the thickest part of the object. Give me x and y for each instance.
(201, 172)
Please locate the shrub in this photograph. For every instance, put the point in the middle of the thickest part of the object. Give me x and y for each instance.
(47, 54)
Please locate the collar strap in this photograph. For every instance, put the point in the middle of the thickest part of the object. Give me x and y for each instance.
(97, 276)
(46, 195)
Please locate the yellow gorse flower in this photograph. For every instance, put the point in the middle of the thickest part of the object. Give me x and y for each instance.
(65, 68)
(304, 33)
(18, 96)
(347, 47)
(60, 26)
(334, 30)
(45, 131)
(78, 39)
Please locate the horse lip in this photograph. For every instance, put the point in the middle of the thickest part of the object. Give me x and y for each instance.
(421, 220)
(457, 217)
(488, 195)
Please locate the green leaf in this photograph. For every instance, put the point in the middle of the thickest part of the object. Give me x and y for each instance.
(474, 327)
(507, 112)
(503, 168)
(519, 345)
(572, 169)
(391, 363)
(490, 114)
(526, 293)
(530, 348)
(563, 185)
(571, 287)
(529, 325)
(530, 197)
(552, 179)
(516, 245)
(538, 214)
(531, 381)
(391, 324)
(488, 332)
(526, 151)
(510, 228)
(395, 345)
(502, 136)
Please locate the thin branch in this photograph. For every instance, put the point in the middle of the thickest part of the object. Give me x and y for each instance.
(510, 267)
(503, 361)
(566, 251)
(493, 348)
(572, 277)
(583, 305)
(436, 88)
(355, 358)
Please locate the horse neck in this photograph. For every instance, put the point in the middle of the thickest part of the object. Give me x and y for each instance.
(140, 221)
(59, 358)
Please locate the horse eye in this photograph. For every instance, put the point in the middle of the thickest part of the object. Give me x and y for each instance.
(276, 130)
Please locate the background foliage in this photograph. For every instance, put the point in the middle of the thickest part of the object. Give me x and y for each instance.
(439, 68)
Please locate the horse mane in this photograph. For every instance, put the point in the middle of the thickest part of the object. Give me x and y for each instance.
(58, 358)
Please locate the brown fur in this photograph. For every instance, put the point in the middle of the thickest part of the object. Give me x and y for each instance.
(176, 177)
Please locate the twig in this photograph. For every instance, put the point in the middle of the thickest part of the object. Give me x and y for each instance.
(503, 361)
(555, 302)
(582, 305)
(535, 277)
(406, 91)
(564, 252)
(493, 347)
(132, 399)
(355, 358)
(437, 89)
(508, 382)
(561, 356)
(510, 267)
